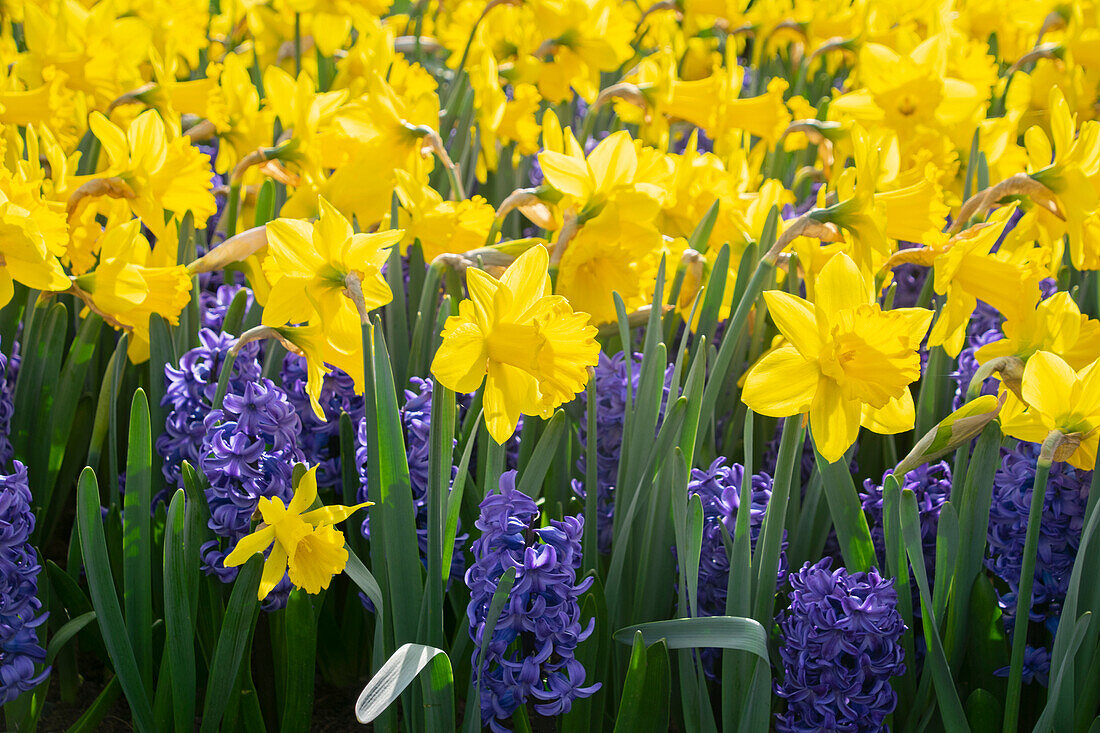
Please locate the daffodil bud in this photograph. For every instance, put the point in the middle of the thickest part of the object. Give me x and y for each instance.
(1010, 369)
(955, 430)
(235, 249)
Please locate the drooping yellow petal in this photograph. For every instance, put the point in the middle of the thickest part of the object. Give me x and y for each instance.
(897, 416)
(508, 390)
(275, 567)
(834, 420)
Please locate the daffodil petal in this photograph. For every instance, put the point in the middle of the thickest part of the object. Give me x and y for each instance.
(834, 420)
(780, 384)
(249, 545)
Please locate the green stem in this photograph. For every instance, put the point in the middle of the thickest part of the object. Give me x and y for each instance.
(231, 208)
(1023, 597)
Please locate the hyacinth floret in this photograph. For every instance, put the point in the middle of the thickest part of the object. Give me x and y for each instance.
(189, 395)
(321, 438)
(931, 484)
(248, 452)
(841, 645)
(719, 489)
(7, 407)
(19, 604)
(1060, 532)
(531, 652)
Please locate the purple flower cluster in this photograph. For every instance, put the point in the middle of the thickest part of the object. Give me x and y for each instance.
(841, 645)
(531, 652)
(7, 408)
(215, 299)
(19, 604)
(190, 393)
(1060, 532)
(931, 484)
(416, 419)
(719, 489)
(248, 452)
(321, 439)
(613, 376)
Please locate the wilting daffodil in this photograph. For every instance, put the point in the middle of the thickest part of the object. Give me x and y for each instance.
(1060, 399)
(303, 543)
(309, 265)
(849, 362)
(530, 347)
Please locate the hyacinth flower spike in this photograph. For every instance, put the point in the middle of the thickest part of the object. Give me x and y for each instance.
(303, 543)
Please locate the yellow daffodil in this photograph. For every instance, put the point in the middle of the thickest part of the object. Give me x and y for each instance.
(441, 226)
(26, 236)
(849, 362)
(161, 170)
(968, 272)
(1063, 399)
(303, 543)
(529, 347)
(308, 266)
(1055, 325)
(133, 281)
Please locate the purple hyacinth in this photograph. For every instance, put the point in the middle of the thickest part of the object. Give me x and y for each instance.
(248, 452)
(1060, 531)
(416, 419)
(215, 300)
(613, 376)
(7, 408)
(719, 489)
(931, 484)
(321, 438)
(531, 652)
(190, 394)
(19, 604)
(1036, 666)
(841, 645)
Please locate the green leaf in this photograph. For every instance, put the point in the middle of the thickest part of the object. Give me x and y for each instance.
(983, 711)
(232, 642)
(1046, 720)
(440, 460)
(721, 632)
(97, 566)
(947, 549)
(454, 500)
(179, 642)
(137, 538)
(392, 518)
(103, 704)
(62, 636)
(391, 680)
(301, 668)
(848, 518)
(496, 605)
(35, 389)
(951, 709)
(70, 386)
(530, 481)
(712, 295)
(765, 561)
(646, 690)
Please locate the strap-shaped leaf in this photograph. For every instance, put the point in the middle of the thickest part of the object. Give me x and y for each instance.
(392, 679)
(722, 632)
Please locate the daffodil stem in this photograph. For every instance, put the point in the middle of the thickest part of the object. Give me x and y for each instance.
(231, 207)
(1023, 595)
